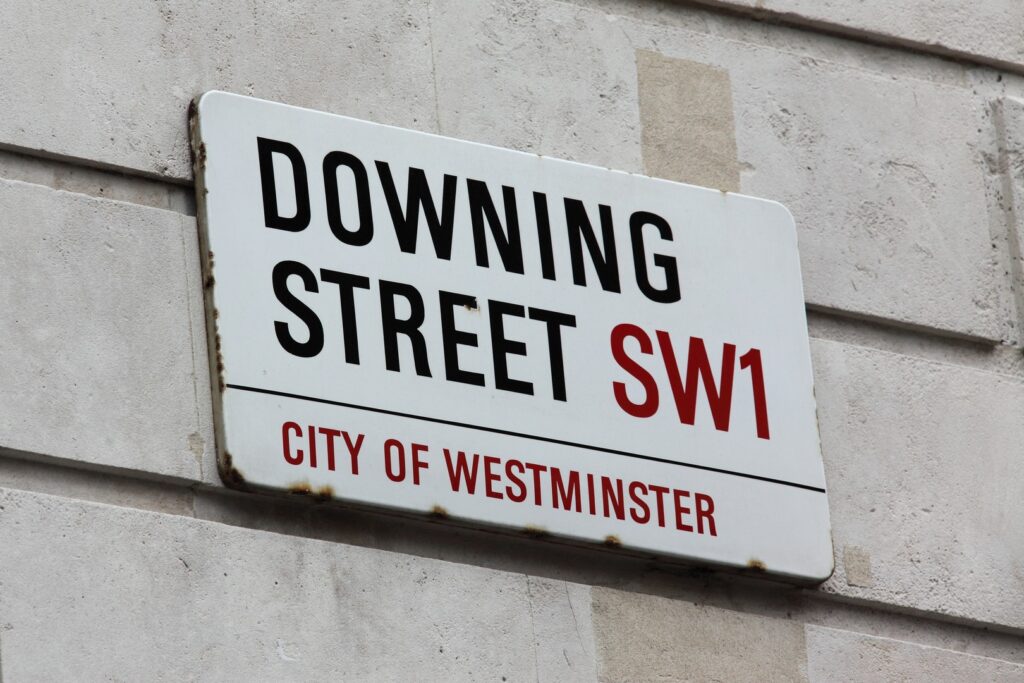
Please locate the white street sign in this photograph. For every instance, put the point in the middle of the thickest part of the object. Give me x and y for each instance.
(405, 320)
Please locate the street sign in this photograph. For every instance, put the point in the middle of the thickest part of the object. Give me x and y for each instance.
(430, 325)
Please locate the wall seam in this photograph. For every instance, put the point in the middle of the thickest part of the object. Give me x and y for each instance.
(833, 30)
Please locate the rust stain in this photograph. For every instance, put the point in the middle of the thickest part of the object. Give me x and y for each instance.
(230, 475)
(475, 306)
(325, 492)
(300, 488)
(220, 372)
(439, 512)
(209, 270)
(193, 114)
(612, 541)
(757, 565)
(535, 531)
(201, 157)
(220, 361)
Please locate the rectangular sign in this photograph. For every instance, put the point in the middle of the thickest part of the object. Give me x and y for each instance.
(410, 321)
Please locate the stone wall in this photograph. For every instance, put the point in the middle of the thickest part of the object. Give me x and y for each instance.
(894, 132)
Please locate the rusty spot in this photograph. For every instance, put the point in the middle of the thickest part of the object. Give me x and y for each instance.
(230, 475)
(193, 117)
(325, 492)
(475, 306)
(301, 488)
(220, 371)
(220, 361)
(757, 565)
(612, 541)
(201, 157)
(439, 512)
(209, 270)
(535, 531)
(216, 314)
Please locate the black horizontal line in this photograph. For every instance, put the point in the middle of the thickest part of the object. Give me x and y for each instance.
(534, 437)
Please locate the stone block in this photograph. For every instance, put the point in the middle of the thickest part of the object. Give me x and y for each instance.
(537, 77)
(1009, 116)
(923, 466)
(111, 83)
(689, 131)
(648, 638)
(103, 344)
(94, 592)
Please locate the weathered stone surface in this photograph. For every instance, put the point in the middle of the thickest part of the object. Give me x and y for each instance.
(926, 486)
(111, 83)
(539, 77)
(689, 131)
(843, 656)
(888, 228)
(648, 638)
(103, 333)
(563, 629)
(987, 29)
(1009, 115)
(93, 592)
